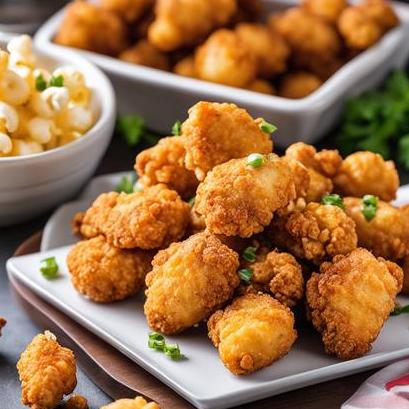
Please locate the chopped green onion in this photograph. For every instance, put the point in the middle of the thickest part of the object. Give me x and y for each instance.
(57, 81)
(40, 83)
(131, 128)
(173, 351)
(369, 207)
(192, 201)
(400, 310)
(245, 275)
(156, 341)
(49, 268)
(267, 127)
(255, 160)
(177, 128)
(126, 184)
(249, 254)
(333, 200)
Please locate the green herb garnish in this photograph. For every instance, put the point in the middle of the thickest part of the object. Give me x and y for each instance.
(173, 351)
(249, 254)
(49, 268)
(369, 207)
(156, 341)
(333, 200)
(192, 201)
(131, 128)
(267, 127)
(57, 81)
(126, 184)
(40, 83)
(177, 128)
(255, 160)
(400, 310)
(245, 275)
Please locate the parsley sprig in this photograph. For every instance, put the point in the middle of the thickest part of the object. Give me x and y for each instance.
(128, 184)
(400, 310)
(132, 129)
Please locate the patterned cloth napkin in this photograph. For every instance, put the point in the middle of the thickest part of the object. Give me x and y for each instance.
(386, 389)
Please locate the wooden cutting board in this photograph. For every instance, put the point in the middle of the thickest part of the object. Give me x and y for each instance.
(120, 377)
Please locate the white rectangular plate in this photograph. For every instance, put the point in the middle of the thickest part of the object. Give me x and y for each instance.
(201, 377)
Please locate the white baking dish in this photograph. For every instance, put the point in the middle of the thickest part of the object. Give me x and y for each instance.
(162, 97)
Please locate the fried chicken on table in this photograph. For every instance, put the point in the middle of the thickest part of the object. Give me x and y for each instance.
(237, 199)
(350, 300)
(47, 372)
(252, 333)
(189, 281)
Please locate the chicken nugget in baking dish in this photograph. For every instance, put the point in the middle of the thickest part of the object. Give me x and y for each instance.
(47, 372)
(350, 300)
(129, 10)
(239, 197)
(329, 10)
(164, 163)
(189, 281)
(252, 333)
(152, 218)
(105, 273)
(215, 133)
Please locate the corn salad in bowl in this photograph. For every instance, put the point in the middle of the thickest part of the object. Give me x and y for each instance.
(39, 109)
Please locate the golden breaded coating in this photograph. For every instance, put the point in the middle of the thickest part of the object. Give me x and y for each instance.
(105, 273)
(144, 53)
(189, 281)
(3, 323)
(270, 50)
(47, 372)
(278, 274)
(76, 223)
(330, 10)
(262, 86)
(182, 23)
(301, 177)
(237, 199)
(186, 67)
(129, 10)
(299, 84)
(164, 163)
(150, 219)
(306, 33)
(215, 133)
(405, 268)
(316, 233)
(226, 59)
(252, 333)
(386, 235)
(76, 402)
(358, 29)
(319, 186)
(366, 172)
(137, 403)
(382, 12)
(350, 300)
(87, 26)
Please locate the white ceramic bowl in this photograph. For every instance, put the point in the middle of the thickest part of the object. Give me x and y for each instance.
(162, 97)
(30, 185)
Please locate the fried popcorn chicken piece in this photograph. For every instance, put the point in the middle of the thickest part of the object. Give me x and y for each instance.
(298, 85)
(315, 233)
(144, 53)
(3, 323)
(270, 50)
(330, 10)
(129, 10)
(150, 219)
(350, 300)
(226, 59)
(386, 235)
(105, 273)
(301, 177)
(278, 274)
(215, 133)
(236, 199)
(306, 33)
(182, 23)
(164, 163)
(358, 29)
(47, 372)
(366, 172)
(262, 86)
(405, 268)
(252, 333)
(76, 402)
(189, 281)
(137, 403)
(87, 26)
(186, 67)
(382, 12)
